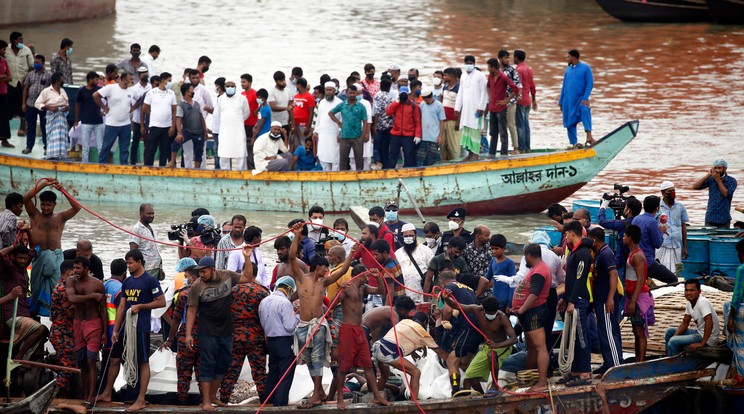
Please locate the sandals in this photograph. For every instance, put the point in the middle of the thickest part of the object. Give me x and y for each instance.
(566, 378)
(491, 394)
(578, 382)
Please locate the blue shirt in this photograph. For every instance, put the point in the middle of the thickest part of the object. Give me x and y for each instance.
(305, 160)
(719, 208)
(431, 116)
(676, 218)
(90, 113)
(277, 316)
(651, 236)
(353, 115)
(141, 290)
(622, 253)
(112, 288)
(578, 82)
(604, 263)
(501, 290)
(308, 250)
(265, 114)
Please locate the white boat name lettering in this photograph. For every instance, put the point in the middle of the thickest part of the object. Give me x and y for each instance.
(534, 176)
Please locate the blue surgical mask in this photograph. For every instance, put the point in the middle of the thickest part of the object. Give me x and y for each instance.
(340, 236)
(417, 92)
(259, 102)
(19, 45)
(169, 85)
(469, 68)
(230, 90)
(69, 51)
(391, 215)
(38, 66)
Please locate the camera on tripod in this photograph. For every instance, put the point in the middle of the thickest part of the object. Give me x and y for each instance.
(618, 200)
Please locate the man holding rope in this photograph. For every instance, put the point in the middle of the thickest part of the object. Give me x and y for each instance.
(46, 233)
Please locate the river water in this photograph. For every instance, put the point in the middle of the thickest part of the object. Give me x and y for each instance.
(683, 82)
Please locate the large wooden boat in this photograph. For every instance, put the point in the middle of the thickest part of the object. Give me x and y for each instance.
(727, 11)
(514, 185)
(20, 12)
(657, 11)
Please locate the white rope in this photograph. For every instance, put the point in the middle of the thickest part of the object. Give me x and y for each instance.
(568, 341)
(130, 349)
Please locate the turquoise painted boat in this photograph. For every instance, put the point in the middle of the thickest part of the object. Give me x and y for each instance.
(516, 185)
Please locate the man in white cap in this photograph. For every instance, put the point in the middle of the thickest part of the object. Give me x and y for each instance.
(432, 129)
(673, 220)
(721, 187)
(394, 71)
(270, 152)
(233, 111)
(279, 321)
(413, 259)
(326, 131)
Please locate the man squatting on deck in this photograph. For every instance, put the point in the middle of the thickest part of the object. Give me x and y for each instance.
(369, 284)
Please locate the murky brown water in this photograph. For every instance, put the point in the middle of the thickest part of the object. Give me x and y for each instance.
(683, 82)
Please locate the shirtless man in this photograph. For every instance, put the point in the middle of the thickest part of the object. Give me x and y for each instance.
(376, 322)
(501, 336)
(310, 288)
(46, 232)
(88, 298)
(353, 349)
(283, 267)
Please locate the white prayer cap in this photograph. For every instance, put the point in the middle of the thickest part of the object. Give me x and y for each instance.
(426, 92)
(330, 84)
(408, 227)
(666, 185)
(276, 124)
(393, 67)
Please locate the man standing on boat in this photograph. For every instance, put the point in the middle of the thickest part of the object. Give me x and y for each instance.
(526, 100)
(326, 131)
(511, 106)
(354, 129)
(674, 218)
(146, 241)
(206, 107)
(578, 82)
(501, 90)
(233, 110)
(21, 62)
(61, 61)
(449, 149)
(721, 187)
(455, 224)
(118, 124)
(470, 106)
(33, 85)
(651, 239)
(230, 241)
(46, 233)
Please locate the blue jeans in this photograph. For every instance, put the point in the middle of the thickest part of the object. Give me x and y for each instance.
(86, 131)
(523, 127)
(136, 138)
(110, 134)
(409, 151)
(382, 146)
(676, 343)
(216, 356)
(31, 114)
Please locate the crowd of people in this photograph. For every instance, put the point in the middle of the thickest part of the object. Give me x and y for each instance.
(360, 122)
(353, 306)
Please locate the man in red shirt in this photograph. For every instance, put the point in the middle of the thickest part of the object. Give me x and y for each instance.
(525, 100)
(406, 131)
(304, 104)
(246, 82)
(497, 82)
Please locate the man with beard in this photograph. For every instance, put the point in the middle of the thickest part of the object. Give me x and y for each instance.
(721, 187)
(233, 111)
(270, 152)
(674, 219)
(46, 233)
(84, 248)
(414, 260)
(230, 241)
(284, 266)
(326, 131)
(142, 241)
(452, 254)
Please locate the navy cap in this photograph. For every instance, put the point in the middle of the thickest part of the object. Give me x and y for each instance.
(458, 213)
(205, 262)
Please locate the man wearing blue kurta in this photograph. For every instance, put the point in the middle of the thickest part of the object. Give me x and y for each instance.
(574, 101)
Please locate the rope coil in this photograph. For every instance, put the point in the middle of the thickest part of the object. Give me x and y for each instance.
(131, 367)
(568, 341)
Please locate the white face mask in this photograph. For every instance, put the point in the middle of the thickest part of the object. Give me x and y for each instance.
(453, 225)
(409, 240)
(431, 242)
(490, 317)
(437, 81)
(317, 224)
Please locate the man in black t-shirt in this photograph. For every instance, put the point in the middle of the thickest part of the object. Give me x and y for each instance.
(84, 248)
(88, 114)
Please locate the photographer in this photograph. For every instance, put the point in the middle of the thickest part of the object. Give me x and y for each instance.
(632, 209)
(406, 131)
(206, 236)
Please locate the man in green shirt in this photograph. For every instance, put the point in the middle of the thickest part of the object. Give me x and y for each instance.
(354, 129)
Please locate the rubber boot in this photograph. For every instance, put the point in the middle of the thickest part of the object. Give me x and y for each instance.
(455, 382)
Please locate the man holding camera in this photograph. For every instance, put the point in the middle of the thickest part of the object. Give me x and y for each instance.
(632, 209)
(205, 240)
(144, 242)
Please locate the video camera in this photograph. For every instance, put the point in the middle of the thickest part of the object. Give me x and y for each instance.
(618, 200)
(210, 237)
(175, 233)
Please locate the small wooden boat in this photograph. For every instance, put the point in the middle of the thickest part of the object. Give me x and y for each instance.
(727, 11)
(657, 11)
(37, 403)
(515, 185)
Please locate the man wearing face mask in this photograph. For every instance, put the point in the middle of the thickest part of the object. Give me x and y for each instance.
(377, 217)
(394, 71)
(270, 153)
(35, 82)
(316, 231)
(132, 65)
(341, 229)
(453, 255)
(369, 82)
(511, 107)
(326, 131)
(233, 111)
(455, 224)
(406, 131)
(295, 74)
(150, 57)
(138, 98)
(674, 216)
(354, 129)
(721, 187)
(433, 236)
(201, 96)
(190, 126)
(437, 85)
(21, 62)
(471, 101)
(478, 253)
(61, 61)
(413, 74)
(393, 224)
(280, 102)
(160, 105)
(414, 260)
(202, 66)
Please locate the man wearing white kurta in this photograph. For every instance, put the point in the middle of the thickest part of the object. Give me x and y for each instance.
(421, 254)
(233, 112)
(203, 97)
(327, 131)
(369, 145)
(270, 152)
(471, 100)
